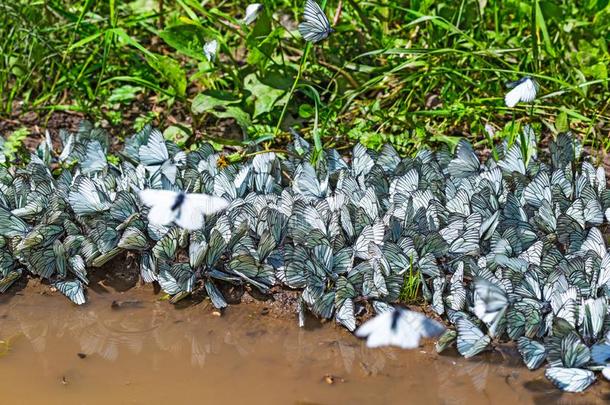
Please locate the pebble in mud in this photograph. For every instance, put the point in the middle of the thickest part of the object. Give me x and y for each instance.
(333, 379)
(81, 355)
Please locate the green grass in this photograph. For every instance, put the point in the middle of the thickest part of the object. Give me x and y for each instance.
(410, 294)
(412, 73)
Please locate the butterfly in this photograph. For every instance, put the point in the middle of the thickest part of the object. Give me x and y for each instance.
(252, 12)
(399, 327)
(570, 379)
(73, 290)
(186, 210)
(522, 90)
(533, 352)
(316, 26)
(470, 340)
(209, 50)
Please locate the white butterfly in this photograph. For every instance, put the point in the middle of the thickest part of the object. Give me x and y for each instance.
(522, 90)
(399, 327)
(186, 210)
(209, 50)
(316, 26)
(252, 12)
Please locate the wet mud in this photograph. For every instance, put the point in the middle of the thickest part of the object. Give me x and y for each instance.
(134, 348)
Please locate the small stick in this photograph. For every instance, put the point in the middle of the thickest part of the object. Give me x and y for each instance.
(338, 12)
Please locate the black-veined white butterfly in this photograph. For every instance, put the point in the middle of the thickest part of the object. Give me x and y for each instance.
(400, 328)
(522, 90)
(570, 379)
(73, 290)
(186, 210)
(209, 50)
(316, 26)
(252, 12)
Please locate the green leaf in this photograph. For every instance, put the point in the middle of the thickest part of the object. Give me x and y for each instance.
(177, 134)
(306, 111)
(561, 123)
(265, 97)
(242, 117)
(14, 143)
(186, 39)
(209, 100)
(221, 105)
(125, 93)
(171, 71)
(545, 35)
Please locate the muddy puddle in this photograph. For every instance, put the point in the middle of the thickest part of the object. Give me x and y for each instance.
(131, 348)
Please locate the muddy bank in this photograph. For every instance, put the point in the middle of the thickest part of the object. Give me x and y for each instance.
(133, 348)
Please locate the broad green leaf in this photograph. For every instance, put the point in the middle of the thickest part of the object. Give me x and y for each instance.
(221, 105)
(265, 97)
(209, 100)
(186, 39)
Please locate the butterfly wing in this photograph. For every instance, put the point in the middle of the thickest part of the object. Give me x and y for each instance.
(209, 50)
(377, 330)
(529, 91)
(570, 379)
(470, 341)
(252, 12)
(524, 91)
(533, 352)
(421, 324)
(73, 290)
(154, 152)
(160, 203)
(316, 26)
(195, 206)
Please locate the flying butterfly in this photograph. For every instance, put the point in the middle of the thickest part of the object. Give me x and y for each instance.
(399, 327)
(523, 90)
(490, 303)
(186, 210)
(316, 26)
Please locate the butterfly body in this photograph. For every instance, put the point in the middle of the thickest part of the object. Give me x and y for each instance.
(179, 201)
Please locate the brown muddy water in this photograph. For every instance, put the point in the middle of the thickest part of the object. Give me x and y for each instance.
(144, 351)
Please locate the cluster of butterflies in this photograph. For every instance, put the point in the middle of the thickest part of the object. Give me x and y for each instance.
(506, 250)
(514, 251)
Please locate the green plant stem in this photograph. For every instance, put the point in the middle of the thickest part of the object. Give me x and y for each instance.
(292, 89)
(318, 143)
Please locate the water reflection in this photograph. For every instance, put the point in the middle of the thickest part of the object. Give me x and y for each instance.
(155, 327)
(154, 339)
